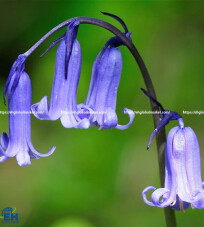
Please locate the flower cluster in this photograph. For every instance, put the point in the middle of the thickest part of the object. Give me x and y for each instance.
(98, 109)
(183, 185)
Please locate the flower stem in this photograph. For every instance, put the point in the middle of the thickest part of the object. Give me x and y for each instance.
(161, 137)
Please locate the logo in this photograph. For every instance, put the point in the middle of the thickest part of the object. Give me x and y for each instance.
(9, 216)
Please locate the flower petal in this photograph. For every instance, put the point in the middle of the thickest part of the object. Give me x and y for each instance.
(110, 118)
(41, 109)
(109, 71)
(59, 90)
(193, 168)
(3, 158)
(156, 196)
(84, 111)
(23, 158)
(144, 195)
(30, 145)
(4, 140)
(91, 97)
(70, 118)
(198, 199)
(170, 174)
(131, 116)
(180, 165)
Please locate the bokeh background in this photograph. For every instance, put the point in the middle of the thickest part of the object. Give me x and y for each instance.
(95, 178)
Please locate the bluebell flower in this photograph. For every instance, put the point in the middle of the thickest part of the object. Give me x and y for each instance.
(63, 103)
(105, 80)
(183, 184)
(102, 95)
(19, 141)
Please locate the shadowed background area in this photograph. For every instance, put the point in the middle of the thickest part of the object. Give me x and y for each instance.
(95, 178)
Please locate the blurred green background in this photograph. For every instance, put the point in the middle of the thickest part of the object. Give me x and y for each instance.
(95, 178)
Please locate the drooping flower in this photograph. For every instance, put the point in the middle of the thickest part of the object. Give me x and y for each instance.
(102, 95)
(183, 182)
(19, 141)
(183, 185)
(105, 79)
(63, 103)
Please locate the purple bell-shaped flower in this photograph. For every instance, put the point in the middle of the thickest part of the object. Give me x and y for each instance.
(183, 183)
(19, 141)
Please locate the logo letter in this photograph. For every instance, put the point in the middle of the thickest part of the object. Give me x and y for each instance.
(14, 216)
(6, 217)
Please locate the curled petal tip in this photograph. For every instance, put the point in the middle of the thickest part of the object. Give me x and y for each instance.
(198, 199)
(144, 195)
(157, 195)
(40, 154)
(52, 150)
(41, 110)
(131, 116)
